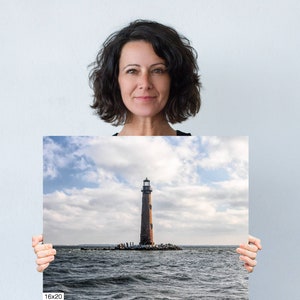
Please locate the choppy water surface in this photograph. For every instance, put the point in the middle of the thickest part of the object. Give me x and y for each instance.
(193, 273)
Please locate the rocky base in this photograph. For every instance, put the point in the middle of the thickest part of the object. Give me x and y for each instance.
(160, 247)
(148, 247)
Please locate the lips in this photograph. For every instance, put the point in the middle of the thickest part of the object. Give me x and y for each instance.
(145, 98)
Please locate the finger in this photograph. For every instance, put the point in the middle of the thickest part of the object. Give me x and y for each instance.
(249, 253)
(246, 247)
(255, 241)
(41, 268)
(37, 239)
(45, 260)
(249, 247)
(42, 247)
(248, 268)
(247, 260)
(45, 253)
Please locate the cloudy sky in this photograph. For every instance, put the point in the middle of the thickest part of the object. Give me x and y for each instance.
(92, 189)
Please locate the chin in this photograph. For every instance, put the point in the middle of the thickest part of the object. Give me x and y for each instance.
(145, 113)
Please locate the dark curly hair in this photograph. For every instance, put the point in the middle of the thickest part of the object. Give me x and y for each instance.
(181, 61)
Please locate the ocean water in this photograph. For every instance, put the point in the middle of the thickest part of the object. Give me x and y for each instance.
(192, 273)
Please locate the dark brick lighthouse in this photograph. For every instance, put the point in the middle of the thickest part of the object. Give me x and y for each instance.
(146, 222)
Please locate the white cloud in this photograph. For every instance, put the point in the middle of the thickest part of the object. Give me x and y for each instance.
(223, 150)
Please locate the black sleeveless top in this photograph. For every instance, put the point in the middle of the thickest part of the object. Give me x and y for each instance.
(178, 133)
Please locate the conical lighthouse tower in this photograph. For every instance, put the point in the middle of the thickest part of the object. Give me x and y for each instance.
(146, 222)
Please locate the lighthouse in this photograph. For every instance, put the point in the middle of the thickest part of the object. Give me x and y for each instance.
(146, 218)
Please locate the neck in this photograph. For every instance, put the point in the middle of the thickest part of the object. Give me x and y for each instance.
(147, 127)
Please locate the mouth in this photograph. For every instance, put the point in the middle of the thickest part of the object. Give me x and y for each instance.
(145, 98)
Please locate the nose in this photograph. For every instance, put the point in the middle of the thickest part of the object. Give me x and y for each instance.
(145, 81)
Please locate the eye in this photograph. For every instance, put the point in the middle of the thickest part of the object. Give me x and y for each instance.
(158, 71)
(132, 71)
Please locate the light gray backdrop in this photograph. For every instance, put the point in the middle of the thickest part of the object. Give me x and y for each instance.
(249, 62)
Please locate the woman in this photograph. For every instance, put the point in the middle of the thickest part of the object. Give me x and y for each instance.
(145, 78)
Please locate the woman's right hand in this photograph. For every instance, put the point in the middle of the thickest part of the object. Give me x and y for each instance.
(44, 252)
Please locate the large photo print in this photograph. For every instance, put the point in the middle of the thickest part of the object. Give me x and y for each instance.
(146, 217)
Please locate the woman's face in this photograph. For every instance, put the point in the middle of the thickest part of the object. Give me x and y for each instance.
(143, 79)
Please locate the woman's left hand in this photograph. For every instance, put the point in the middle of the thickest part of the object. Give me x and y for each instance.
(248, 252)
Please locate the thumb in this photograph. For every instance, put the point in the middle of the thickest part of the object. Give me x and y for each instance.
(37, 239)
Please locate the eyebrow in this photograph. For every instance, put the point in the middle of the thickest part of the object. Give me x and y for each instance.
(137, 65)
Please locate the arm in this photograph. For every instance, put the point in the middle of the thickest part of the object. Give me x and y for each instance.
(44, 252)
(248, 253)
